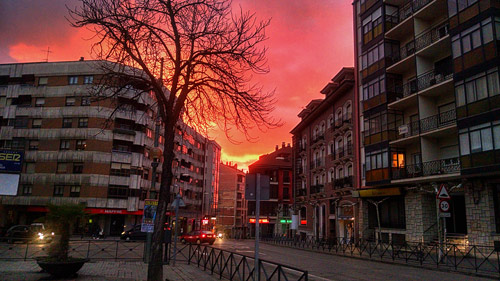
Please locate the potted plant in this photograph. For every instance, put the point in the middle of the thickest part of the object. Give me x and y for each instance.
(58, 263)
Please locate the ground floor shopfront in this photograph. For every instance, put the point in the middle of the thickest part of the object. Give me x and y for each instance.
(410, 213)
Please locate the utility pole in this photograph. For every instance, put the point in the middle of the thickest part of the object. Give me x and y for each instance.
(257, 230)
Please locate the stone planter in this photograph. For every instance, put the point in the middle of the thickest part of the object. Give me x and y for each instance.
(61, 269)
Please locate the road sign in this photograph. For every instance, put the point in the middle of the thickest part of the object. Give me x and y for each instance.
(445, 215)
(251, 183)
(178, 201)
(444, 205)
(443, 193)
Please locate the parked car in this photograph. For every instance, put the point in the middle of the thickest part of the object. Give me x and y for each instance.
(134, 233)
(198, 237)
(28, 233)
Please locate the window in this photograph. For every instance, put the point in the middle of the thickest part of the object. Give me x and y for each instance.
(73, 80)
(39, 102)
(70, 101)
(472, 38)
(83, 122)
(85, 101)
(18, 143)
(33, 145)
(372, 25)
(21, 122)
(36, 123)
(372, 56)
(61, 168)
(77, 168)
(27, 189)
(484, 137)
(455, 6)
(117, 191)
(58, 190)
(74, 191)
(64, 145)
(120, 169)
(81, 144)
(374, 87)
(42, 81)
(477, 87)
(30, 168)
(67, 122)
(398, 160)
(88, 79)
(376, 160)
(392, 213)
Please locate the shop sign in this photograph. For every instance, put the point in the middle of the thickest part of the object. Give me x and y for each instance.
(11, 160)
(260, 221)
(285, 221)
(377, 192)
(148, 217)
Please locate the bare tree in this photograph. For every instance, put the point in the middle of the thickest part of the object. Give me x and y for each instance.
(202, 52)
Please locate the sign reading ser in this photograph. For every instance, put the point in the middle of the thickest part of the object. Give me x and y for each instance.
(10, 160)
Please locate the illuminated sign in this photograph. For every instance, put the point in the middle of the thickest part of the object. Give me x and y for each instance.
(260, 220)
(285, 221)
(11, 160)
(303, 222)
(204, 221)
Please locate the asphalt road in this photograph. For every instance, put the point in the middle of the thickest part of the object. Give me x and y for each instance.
(330, 267)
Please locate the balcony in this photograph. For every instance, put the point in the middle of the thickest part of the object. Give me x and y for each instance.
(431, 168)
(316, 164)
(342, 182)
(431, 36)
(317, 188)
(317, 139)
(438, 121)
(301, 192)
(406, 11)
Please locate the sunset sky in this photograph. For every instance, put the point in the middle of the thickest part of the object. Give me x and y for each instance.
(309, 42)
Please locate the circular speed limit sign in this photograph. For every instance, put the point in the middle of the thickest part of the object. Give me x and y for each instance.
(444, 206)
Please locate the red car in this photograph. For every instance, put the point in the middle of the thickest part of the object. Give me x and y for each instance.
(198, 237)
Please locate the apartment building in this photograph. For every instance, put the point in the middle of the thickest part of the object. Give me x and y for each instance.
(427, 83)
(323, 162)
(275, 215)
(232, 206)
(76, 151)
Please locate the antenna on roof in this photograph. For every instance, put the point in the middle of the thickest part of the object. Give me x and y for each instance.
(48, 52)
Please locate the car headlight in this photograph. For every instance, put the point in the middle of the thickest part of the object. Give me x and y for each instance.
(52, 233)
(123, 233)
(40, 235)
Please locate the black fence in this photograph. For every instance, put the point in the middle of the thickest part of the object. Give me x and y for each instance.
(24, 249)
(234, 266)
(482, 260)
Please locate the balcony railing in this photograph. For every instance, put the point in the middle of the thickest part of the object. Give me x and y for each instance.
(437, 121)
(346, 119)
(344, 151)
(317, 139)
(406, 11)
(436, 167)
(421, 83)
(432, 35)
(317, 164)
(317, 188)
(301, 192)
(342, 182)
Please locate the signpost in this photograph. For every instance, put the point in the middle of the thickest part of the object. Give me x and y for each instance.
(257, 188)
(444, 206)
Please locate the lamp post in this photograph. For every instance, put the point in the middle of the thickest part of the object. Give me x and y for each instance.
(156, 153)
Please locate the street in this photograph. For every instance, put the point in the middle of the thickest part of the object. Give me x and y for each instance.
(330, 267)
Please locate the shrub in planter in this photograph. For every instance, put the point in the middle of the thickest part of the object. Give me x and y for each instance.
(58, 262)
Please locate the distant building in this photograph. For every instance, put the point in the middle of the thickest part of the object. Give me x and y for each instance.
(70, 156)
(275, 213)
(324, 163)
(232, 206)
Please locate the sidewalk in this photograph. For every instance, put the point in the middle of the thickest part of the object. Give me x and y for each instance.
(105, 270)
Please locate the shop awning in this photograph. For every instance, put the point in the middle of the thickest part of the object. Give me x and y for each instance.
(377, 192)
(103, 211)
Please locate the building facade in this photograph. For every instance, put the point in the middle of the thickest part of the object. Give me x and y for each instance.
(76, 151)
(232, 206)
(428, 87)
(324, 163)
(275, 213)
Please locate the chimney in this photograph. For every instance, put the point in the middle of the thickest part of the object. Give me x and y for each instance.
(288, 145)
(276, 149)
(82, 58)
(283, 145)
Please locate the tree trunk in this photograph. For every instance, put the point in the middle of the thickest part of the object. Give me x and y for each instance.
(155, 266)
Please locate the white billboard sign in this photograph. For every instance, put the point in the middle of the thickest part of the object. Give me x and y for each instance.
(9, 184)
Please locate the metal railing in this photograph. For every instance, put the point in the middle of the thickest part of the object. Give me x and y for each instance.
(342, 182)
(437, 121)
(431, 35)
(430, 168)
(317, 188)
(406, 11)
(90, 249)
(301, 192)
(234, 266)
(484, 260)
